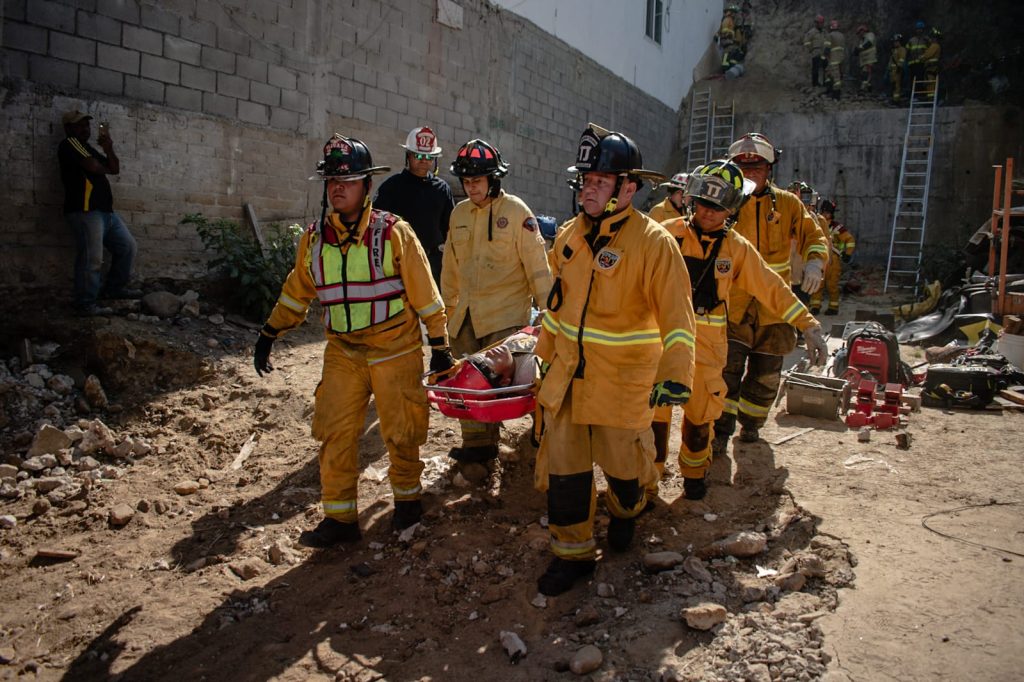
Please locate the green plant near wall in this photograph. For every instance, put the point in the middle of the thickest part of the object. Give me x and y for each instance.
(256, 273)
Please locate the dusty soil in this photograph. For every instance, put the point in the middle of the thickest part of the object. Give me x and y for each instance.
(161, 597)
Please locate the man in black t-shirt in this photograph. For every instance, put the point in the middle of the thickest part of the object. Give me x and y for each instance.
(418, 195)
(89, 211)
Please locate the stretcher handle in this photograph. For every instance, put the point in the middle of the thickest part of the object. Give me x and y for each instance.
(480, 391)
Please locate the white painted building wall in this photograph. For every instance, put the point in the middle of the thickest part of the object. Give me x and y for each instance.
(613, 33)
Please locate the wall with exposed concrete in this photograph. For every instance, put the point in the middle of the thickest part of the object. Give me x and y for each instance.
(869, 142)
(216, 103)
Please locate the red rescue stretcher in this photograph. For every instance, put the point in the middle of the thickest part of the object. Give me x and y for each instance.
(463, 392)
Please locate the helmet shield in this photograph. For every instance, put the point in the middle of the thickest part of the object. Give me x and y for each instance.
(346, 158)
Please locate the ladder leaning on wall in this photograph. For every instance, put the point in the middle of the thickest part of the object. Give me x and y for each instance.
(723, 121)
(909, 220)
(700, 123)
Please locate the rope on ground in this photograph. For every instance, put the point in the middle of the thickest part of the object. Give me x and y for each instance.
(993, 503)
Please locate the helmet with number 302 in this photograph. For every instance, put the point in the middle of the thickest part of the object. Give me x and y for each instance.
(721, 183)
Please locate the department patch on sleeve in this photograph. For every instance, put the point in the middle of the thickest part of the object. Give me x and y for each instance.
(530, 224)
(503, 222)
(723, 266)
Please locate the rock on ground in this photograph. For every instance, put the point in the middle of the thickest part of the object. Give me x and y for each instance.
(587, 659)
(704, 616)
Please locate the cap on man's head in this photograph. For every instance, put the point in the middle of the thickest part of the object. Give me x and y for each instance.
(74, 116)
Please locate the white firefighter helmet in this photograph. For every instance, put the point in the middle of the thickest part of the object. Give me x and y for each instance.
(677, 182)
(752, 146)
(422, 141)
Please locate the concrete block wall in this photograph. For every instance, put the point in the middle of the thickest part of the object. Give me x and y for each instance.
(854, 156)
(216, 103)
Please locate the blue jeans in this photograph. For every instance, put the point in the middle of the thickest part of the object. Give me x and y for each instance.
(94, 230)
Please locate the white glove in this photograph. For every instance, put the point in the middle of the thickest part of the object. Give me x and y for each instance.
(812, 276)
(817, 350)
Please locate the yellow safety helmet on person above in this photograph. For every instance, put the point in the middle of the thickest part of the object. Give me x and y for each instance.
(752, 147)
(719, 182)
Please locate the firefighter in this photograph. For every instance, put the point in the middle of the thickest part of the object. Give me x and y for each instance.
(726, 35)
(494, 264)
(373, 281)
(809, 198)
(617, 340)
(842, 246)
(716, 257)
(672, 206)
(758, 339)
(916, 46)
(420, 196)
(930, 58)
(814, 43)
(897, 63)
(836, 56)
(867, 56)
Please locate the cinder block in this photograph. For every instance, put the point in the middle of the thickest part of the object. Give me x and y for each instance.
(295, 101)
(342, 106)
(14, 64)
(144, 89)
(284, 119)
(203, 32)
(397, 103)
(198, 78)
(376, 98)
(100, 80)
(51, 15)
(219, 105)
(160, 69)
(160, 19)
(282, 36)
(364, 112)
(253, 69)
(117, 59)
(387, 119)
(232, 41)
(24, 37)
(264, 94)
(14, 10)
(281, 77)
(52, 71)
(232, 86)
(184, 98)
(125, 10)
(219, 60)
(250, 112)
(182, 50)
(143, 40)
(98, 27)
(365, 75)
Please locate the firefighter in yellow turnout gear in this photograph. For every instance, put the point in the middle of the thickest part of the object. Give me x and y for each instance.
(758, 338)
(672, 206)
(373, 280)
(716, 257)
(617, 340)
(842, 246)
(494, 263)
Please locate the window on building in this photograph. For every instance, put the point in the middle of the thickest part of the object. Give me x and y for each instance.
(655, 14)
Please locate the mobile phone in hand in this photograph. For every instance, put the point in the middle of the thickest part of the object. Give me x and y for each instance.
(104, 128)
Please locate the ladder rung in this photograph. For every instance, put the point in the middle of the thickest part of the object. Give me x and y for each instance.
(910, 243)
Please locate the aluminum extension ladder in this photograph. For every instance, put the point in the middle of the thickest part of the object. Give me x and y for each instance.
(910, 219)
(723, 119)
(700, 124)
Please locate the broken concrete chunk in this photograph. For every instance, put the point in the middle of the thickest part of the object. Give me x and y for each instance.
(742, 544)
(704, 616)
(656, 562)
(48, 440)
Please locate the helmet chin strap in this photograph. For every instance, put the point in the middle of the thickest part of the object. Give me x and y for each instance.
(613, 202)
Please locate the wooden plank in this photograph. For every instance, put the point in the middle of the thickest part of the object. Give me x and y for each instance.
(1012, 396)
(791, 436)
(254, 225)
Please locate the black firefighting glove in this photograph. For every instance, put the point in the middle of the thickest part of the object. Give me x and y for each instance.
(441, 359)
(261, 357)
(669, 393)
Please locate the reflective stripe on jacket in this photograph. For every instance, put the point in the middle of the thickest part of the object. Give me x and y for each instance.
(771, 229)
(737, 263)
(356, 283)
(619, 321)
(403, 256)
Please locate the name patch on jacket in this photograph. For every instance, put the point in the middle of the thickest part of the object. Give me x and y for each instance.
(607, 259)
(723, 266)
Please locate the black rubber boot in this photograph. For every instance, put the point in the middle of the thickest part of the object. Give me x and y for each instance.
(750, 434)
(620, 533)
(694, 488)
(719, 446)
(330, 532)
(561, 575)
(832, 311)
(815, 310)
(476, 453)
(406, 514)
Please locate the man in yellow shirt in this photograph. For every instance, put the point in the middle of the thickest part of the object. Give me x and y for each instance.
(373, 281)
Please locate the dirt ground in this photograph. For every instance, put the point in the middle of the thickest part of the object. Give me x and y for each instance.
(161, 596)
